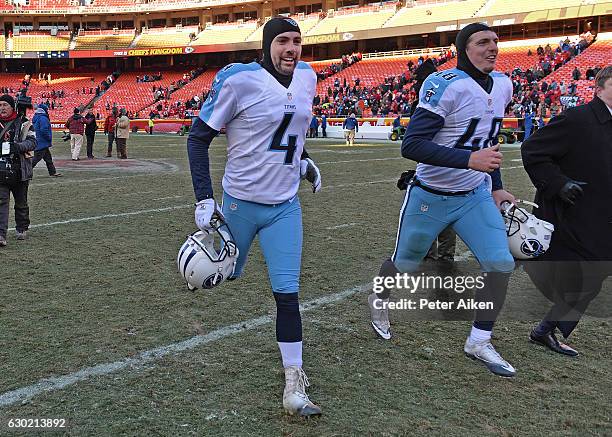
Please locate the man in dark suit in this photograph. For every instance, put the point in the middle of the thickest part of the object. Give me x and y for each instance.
(570, 163)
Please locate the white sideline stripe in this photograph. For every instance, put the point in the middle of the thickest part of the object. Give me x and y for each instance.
(169, 208)
(345, 225)
(358, 160)
(80, 181)
(60, 382)
(512, 168)
(100, 217)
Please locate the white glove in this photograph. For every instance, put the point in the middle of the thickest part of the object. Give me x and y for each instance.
(204, 213)
(310, 172)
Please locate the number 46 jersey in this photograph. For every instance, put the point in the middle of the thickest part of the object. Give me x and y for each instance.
(472, 119)
(266, 125)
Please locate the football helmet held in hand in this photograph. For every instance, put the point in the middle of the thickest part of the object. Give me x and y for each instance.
(528, 236)
(208, 257)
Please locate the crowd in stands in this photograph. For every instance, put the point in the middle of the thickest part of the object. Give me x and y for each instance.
(149, 77)
(394, 96)
(534, 95)
(336, 67)
(161, 93)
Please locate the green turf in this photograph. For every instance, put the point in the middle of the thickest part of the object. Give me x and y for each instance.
(100, 290)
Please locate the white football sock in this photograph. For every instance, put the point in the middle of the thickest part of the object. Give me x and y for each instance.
(291, 353)
(479, 335)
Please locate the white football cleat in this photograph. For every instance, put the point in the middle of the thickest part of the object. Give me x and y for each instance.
(380, 317)
(486, 353)
(295, 399)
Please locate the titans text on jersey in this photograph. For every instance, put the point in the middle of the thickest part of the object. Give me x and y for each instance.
(263, 122)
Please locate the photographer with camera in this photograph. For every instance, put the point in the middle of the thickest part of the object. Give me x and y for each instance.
(18, 141)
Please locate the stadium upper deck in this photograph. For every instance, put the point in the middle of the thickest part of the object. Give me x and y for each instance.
(384, 20)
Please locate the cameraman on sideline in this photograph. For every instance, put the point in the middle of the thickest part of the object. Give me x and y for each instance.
(18, 142)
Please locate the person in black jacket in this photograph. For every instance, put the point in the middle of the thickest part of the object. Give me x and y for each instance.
(570, 163)
(90, 133)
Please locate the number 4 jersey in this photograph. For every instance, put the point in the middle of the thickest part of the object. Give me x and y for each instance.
(266, 125)
(472, 119)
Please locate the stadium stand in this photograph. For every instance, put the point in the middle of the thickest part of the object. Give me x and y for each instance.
(354, 19)
(197, 87)
(225, 33)
(598, 54)
(72, 85)
(41, 41)
(126, 93)
(165, 37)
(305, 22)
(500, 7)
(431, 13)
(104, 39)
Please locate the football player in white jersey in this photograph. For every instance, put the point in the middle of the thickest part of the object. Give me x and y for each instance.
(266, 110)
(452, 135)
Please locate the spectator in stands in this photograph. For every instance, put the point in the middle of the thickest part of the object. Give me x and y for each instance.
(90, 133)
(44, 137)
(76, 126)
(122, 133)
(576, 74)
(590, 74)
(109, 129)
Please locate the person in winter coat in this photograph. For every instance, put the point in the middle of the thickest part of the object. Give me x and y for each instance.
(15, 177)
(122, 133)
(109, 129)
(90, 133)
(44, 136)
(76, 126)
(569, 162)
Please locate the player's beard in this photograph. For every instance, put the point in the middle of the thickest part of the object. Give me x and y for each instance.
(283, 68)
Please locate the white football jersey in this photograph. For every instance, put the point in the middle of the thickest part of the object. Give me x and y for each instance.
(472, 119)
(266, 126)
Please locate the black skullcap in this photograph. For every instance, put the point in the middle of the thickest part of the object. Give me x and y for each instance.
(463, 61)
(272, 29)
(8, 99)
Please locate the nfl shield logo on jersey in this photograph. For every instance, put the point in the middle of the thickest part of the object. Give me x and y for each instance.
(289, 96)
(424, 207)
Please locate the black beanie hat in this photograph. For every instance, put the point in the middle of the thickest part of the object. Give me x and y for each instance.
(463, 62)
(8, 99)
(271, 30)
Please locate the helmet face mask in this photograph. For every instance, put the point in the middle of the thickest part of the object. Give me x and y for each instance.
(208, 258)
(528, 236)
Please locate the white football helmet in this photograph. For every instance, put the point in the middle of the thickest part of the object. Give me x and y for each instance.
(208, 258)
(528, 236)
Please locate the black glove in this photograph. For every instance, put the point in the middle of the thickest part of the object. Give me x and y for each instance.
(404, 179)
(14, 149)
(571, 192)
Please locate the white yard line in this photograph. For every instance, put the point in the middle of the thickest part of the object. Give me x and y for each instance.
(100, 217)
(359, 160)
(55, 383)
(345, 225)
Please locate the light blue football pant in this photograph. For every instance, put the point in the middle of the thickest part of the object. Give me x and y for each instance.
(473, 216)
(280, 237)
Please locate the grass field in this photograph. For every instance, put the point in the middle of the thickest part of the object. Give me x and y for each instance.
(95, 287)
